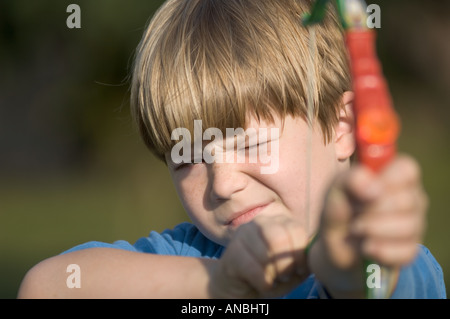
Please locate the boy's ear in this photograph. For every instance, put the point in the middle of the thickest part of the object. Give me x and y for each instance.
(344, 138)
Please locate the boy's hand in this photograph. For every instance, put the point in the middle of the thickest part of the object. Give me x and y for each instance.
(366, 215)
(265, 258)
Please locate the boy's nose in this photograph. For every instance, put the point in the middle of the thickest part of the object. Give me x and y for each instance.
(225, 180)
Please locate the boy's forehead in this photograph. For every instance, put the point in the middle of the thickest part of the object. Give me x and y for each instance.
(253, 121)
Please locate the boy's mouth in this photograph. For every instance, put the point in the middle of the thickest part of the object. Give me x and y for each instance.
(245, 215)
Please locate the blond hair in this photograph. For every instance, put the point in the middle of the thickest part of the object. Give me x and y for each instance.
(221, 60)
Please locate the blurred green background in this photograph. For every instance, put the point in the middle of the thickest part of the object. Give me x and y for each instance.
(72, 167)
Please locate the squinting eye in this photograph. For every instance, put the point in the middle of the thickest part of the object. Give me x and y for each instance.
(256, 145)
(186, 165)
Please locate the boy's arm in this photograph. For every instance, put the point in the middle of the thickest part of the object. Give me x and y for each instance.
(115, 273)
(265, 258)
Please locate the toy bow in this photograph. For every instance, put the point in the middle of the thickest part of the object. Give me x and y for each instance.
(377, 125)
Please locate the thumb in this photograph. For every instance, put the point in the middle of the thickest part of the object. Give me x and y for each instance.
(334, 229)
(337, 211)
(344, 201)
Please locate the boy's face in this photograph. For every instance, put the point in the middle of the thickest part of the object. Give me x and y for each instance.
(219, 197)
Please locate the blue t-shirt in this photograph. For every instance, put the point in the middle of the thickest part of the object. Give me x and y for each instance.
(421, 279)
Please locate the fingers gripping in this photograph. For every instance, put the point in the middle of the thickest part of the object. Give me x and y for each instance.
(281, 249)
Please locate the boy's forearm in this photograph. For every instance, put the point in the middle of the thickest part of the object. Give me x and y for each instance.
(114, 273)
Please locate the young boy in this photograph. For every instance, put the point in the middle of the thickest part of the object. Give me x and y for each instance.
(205, 66)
